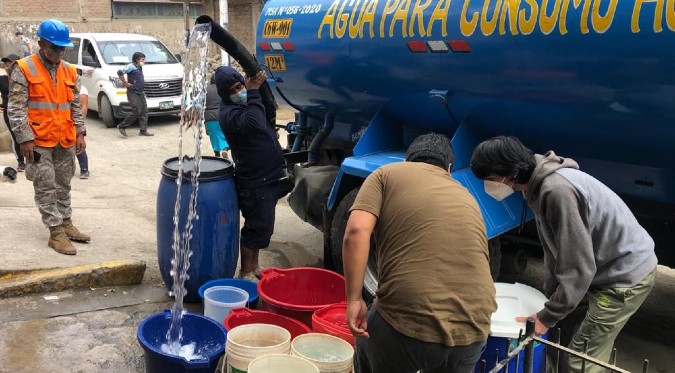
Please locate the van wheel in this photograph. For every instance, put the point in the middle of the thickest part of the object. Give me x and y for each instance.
(106, 111)
(338, 226)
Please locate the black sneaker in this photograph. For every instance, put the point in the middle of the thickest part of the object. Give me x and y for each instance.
(122, 130)
(145, 133)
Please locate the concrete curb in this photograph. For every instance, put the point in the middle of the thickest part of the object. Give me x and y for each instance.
(112, 273)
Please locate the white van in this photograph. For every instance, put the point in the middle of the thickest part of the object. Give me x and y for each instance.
(101, 55)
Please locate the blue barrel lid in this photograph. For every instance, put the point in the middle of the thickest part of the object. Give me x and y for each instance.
(210, 168)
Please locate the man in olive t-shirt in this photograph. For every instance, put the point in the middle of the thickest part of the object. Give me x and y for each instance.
(436, 296)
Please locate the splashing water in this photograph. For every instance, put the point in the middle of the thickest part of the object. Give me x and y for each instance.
(191, 124)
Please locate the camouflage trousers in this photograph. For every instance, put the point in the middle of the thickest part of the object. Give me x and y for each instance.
(51, 177)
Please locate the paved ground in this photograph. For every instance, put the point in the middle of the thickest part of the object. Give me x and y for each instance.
(93, 330)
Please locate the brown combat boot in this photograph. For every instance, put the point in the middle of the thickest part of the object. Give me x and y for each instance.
(60, 242)
(73, 233)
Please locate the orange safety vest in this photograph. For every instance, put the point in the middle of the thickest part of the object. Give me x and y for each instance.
(49, 103)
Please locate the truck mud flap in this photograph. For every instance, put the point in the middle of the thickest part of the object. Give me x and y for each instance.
(312, 186)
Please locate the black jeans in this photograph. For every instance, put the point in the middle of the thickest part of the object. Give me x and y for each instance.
(139, 111)
(388, 351)
(257, 206)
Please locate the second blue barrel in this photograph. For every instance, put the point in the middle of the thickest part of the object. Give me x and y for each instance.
(215, 234)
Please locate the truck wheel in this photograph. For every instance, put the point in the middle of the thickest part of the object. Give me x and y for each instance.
(495, 251)
(106, 111)
(337, 234)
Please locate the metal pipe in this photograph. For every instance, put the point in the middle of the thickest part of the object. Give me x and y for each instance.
(315, 147)
(300, 137)
(186, 16)
(529, 349)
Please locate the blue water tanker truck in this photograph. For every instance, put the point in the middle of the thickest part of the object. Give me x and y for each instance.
(591, 79)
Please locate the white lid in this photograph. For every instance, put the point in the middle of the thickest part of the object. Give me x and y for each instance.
(514, 300)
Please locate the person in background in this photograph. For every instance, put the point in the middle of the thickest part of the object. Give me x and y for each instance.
(435, 296)
(82, 158)
(135, 84)
(24, 43)
(258, 160)
(8, 62)
(595, 250)
(47, 120)
(213, 130)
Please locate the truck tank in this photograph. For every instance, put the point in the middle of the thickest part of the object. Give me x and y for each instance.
(591, 79)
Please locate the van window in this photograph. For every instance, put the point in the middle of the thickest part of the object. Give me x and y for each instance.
(120, 52)
(88, 53)
(71, 53)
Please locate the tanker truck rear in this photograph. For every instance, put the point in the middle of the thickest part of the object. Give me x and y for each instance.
(590, 79)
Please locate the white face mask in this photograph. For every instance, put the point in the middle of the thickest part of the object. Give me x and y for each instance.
(497, 189)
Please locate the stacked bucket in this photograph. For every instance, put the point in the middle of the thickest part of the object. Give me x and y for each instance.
(279, 338)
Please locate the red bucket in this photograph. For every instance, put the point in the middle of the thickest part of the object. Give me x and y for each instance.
(298, 292)
(333, 320)
(243, 316)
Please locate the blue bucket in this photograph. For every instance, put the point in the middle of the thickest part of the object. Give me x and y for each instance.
(247, 285)
(497, 348)
(208, 335)
(215, 235)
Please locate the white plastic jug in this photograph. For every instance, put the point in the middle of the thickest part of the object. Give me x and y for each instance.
(247, 342)
(219, 300)
(330, 354)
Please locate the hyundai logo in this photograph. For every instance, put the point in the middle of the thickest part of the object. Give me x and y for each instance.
(163, 85)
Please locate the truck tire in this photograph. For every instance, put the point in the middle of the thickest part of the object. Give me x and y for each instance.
(495, 251)
(106, 111)
(337, 234)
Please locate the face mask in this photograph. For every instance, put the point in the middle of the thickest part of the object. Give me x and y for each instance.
(497, 190)
(240, 97)
(141, 63)
(54, 55)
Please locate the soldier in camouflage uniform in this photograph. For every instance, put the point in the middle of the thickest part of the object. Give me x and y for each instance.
(45, 113)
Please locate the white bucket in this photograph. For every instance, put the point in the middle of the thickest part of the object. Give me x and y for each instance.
(281, 363)
(330, 354)
(247, 342)
(219, 300)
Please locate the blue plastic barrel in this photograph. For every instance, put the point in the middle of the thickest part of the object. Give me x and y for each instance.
(209, 338)
(215, 235)
(497, 348)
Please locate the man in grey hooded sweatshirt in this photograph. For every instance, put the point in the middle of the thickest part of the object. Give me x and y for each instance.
(594, 248)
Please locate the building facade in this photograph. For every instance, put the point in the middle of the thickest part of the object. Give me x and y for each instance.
(162, 19)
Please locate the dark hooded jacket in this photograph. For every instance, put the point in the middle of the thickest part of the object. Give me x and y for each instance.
(255, 149)
(589, 236)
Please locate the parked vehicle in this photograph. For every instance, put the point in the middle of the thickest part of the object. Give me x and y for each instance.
(101, 55)
(367, 77)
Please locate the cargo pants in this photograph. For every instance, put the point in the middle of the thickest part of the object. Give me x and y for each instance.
(51, 177)
(609, 309)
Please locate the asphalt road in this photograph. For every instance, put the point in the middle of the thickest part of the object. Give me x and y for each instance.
(94, 330)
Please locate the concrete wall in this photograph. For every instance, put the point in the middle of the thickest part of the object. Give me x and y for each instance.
(96, 16)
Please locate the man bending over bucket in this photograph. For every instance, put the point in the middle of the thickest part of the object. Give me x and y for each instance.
(435, 295)
(257, 155)
(595, 250)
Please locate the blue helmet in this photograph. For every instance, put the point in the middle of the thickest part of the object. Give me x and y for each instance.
(55, 32)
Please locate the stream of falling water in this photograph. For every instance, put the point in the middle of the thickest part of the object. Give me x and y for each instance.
(191, 125)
